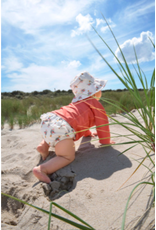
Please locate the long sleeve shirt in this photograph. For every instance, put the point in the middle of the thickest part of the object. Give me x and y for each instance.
(85, 114)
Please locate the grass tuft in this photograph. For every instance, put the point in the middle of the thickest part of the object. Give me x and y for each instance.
(145, 133)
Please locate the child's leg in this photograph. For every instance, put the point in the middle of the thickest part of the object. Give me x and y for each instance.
(42, 148)
(65, 154)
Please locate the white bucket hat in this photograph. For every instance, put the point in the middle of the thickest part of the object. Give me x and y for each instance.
(84, 85)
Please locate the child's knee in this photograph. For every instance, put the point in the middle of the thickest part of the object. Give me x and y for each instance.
(66, 149)
(42, 147)
(39, 148)
(71, 157)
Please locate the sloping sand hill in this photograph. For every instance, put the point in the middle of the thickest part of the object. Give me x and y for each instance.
(88, 187)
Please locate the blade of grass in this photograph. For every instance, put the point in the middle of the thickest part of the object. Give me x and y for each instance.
(124, 216)
(132, 173)
(71, 214)
(52, 214)
(127, 149)
(146, 112)
(129, 78)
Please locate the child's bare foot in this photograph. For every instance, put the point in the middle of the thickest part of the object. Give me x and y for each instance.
(41, 175)
(42, 148)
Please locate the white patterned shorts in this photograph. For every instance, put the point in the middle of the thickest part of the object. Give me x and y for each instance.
(55, 129)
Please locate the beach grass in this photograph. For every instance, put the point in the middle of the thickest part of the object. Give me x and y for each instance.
(27, 110)
(11, 122)
(85, 225)
(140, 134)
(2, 122)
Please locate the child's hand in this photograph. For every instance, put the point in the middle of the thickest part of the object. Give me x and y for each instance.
(93, 134)
(112, 142)
(108, 144)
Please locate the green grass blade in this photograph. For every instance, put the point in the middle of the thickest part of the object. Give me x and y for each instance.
(71, 214)
(153, 79)
(152, 42)
(124, 216)
(152, 177)
(128, 149)
(129, 78)
(122, 67)
(133, 172)
(145, 167)
(148, 155)
(105, 59)
(52, 214)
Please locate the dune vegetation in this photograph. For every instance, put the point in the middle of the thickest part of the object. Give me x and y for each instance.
(25, 109)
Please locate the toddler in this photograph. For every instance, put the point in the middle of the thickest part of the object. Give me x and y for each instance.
(60, 128)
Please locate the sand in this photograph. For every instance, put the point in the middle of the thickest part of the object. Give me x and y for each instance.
(88, 187)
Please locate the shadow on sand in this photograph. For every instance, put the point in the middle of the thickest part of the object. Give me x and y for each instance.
(90, 162)
(98, 163)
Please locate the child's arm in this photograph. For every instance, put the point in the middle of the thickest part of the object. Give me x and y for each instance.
(101, 120)
(94, 133)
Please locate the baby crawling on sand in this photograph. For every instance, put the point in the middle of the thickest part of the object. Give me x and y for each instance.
(60, 128)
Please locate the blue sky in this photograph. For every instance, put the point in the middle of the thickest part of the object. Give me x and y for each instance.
(44, 44)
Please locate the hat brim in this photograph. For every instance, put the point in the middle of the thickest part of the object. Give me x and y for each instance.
(84, 96)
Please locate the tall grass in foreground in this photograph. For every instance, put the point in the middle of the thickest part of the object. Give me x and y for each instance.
(145, 133)
(77, 225)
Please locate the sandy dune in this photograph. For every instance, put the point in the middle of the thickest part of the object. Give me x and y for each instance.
(88, 187)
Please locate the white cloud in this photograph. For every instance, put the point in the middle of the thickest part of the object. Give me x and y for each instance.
(99, 21)
(105, 28)
(84, 24)
(95, 12)
(71, 65)
(38, 78)
(109, 20)
(11, 64)
(97, 63)
(74, 64)
(32, 15)
(138, 9)
(143, 46)
(110, 77)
